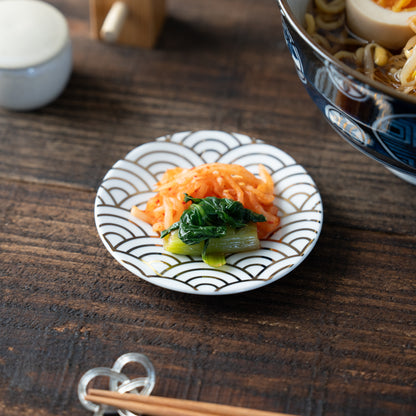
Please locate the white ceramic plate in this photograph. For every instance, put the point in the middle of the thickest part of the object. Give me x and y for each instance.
(138, 248)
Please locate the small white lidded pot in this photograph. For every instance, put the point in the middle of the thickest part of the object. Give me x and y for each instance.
(35, 54)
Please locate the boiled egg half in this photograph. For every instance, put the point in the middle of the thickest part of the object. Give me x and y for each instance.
(380, 24)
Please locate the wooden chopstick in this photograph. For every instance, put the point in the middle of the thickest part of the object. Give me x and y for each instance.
(164, 406)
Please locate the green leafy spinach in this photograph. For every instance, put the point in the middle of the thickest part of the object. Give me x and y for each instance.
(210, 217)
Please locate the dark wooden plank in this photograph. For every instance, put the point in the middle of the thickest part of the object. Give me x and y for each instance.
(336, 335)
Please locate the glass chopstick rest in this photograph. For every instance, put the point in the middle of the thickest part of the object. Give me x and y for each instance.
(118, 382)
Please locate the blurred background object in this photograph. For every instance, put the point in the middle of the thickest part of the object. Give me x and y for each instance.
(129, 22)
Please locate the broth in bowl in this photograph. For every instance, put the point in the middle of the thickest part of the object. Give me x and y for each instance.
(355, 82)
(375, 37)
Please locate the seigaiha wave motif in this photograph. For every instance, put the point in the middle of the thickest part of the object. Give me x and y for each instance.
(139, 249)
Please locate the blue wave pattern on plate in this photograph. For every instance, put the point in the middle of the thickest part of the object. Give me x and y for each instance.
(138, 248)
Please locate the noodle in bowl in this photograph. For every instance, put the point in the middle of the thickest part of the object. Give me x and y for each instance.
(375, 118)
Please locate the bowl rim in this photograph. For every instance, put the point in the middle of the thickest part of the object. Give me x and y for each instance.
(389, 91)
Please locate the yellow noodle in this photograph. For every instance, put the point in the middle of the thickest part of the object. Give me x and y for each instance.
(321, 40)
(334, 6)
(329, 25)
(359, 55)
(345, 55)
(325, 24)
(412, 23)
(408, 49)
(310, 24)
(407, 74)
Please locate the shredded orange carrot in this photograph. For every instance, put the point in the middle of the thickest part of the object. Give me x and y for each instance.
(212, 179)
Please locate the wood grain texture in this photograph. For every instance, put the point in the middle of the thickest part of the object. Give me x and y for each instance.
(335, 337)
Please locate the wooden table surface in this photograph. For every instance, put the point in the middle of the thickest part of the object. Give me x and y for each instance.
(337, 336)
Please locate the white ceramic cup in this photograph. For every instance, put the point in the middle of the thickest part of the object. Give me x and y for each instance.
(35, 54)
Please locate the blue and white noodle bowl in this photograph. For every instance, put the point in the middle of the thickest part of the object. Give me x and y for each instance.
(374, 118)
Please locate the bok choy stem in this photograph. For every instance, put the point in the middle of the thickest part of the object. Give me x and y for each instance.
(212, 227)
(234, 241)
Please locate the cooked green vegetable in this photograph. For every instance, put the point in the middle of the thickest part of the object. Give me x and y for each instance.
(213, 227)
